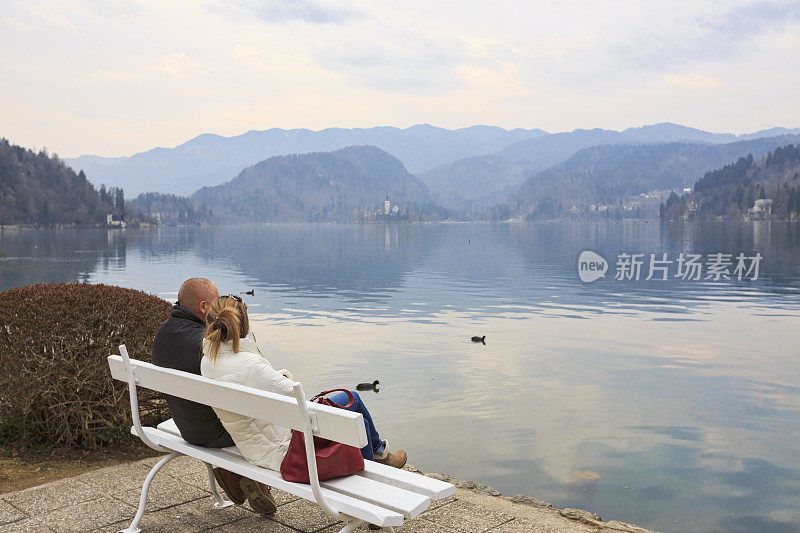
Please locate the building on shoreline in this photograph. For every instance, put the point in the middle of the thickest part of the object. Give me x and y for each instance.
(115, 221)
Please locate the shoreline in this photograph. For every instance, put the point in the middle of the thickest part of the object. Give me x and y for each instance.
(535, 506)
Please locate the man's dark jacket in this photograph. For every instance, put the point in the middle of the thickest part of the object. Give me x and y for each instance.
(178, 346)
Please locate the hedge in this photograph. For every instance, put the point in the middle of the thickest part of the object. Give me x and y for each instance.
(55, 386)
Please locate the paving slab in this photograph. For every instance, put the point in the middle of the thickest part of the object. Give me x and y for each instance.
(282, 498)
(86, 516)
(116, 480)
(9, 513)
(253, 525)
(417, 525)
(197, 515)
(467, 517)
(187, 470)
(421, 525)
(64, 493)
(194, 472)
(303, 516)
(26, 526)
(149, 524)
(440, 503)
(165, 491)
(525, 525)
(203, 515)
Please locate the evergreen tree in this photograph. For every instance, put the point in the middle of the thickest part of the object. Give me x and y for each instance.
(45, 217)
(119, 201)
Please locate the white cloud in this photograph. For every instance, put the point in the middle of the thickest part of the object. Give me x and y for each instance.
(694, 80)
(15, 24)
(279, 11)
(52, 17)
(178, 65)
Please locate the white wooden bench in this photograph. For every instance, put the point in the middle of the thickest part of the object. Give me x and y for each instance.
(379, 495)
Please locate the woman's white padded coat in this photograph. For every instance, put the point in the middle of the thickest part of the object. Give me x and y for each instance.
(261, 442)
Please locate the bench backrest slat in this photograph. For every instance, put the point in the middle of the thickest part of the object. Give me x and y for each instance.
(334, 424)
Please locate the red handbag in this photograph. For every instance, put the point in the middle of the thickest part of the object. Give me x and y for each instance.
(334, 459)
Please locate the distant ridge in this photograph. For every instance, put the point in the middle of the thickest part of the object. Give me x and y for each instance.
(210, 159)
(466, 169)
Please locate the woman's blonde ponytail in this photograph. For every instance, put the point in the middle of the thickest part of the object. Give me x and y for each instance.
(227, 321)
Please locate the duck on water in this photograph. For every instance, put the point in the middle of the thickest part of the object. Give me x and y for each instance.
(368, 386)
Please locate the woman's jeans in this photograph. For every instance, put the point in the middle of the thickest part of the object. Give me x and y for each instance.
(375, 446)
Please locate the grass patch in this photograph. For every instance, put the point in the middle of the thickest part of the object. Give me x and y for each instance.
(23, 468)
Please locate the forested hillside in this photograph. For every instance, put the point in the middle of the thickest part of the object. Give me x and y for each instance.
(322, 186)
(477, 183)
(729, 193)
(39, 189)
(610, 181)
(171, 209)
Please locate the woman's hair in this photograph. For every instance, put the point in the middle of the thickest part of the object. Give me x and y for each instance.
(227, 321)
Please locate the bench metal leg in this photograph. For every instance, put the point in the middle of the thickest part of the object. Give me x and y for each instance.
(349, 527)
(220, 502)
(134, 527)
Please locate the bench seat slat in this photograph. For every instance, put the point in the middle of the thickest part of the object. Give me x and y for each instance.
(342, 502)
(335, 424)
(432, 488)
(404, 502)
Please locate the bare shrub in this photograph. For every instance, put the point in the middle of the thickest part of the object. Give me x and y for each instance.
(55, 385)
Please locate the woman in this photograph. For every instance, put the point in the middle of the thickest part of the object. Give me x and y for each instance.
(230, 354)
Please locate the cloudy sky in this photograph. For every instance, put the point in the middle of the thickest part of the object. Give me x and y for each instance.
(113, 78)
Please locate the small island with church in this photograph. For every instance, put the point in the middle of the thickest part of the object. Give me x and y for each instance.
(388, 212)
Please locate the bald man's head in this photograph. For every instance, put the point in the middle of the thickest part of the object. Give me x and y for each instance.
(196, 295)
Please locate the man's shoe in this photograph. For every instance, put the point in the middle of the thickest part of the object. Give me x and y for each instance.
(396, 459)
(229, 482)
(258, 496)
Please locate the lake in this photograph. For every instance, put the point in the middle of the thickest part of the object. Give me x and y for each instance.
(673, 404)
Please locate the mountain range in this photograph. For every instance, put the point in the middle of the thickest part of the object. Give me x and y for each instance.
(212, 159)
(466, 169)
(529, 174)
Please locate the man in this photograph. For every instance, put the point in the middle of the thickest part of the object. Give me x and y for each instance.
(178, 345)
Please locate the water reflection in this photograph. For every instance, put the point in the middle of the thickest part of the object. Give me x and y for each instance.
(58, 255)
(672, 404)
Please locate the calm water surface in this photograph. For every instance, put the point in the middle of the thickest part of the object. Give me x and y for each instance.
(671, 404)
